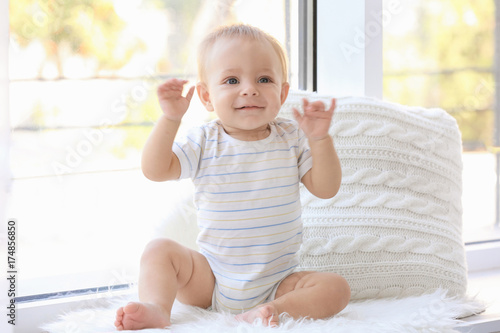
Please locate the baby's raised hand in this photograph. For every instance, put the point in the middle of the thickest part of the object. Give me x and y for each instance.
(315, 122)
(172, 103)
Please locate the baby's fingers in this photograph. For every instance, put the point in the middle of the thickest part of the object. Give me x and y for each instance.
(333, 105)
(190, 93)
(171, 87)
(316, 105)
(318, 109)
(173, 84)
(296, 114)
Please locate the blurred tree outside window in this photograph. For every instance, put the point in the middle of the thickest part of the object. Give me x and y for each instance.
(440, 53)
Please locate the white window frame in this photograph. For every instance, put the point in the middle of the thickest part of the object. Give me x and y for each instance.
(349, 54)
(360, 74)
(4, 107)
(4, 147)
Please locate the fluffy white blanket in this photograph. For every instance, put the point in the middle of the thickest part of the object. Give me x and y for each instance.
(433, 312)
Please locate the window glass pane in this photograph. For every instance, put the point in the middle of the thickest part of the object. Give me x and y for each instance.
(441, 54)
(82, 103)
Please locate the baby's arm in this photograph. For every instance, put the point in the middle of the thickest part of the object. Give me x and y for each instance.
(323, 179)
(159, 163)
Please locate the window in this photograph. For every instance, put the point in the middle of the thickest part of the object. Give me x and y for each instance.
(83, 79)
(82, 102)
(368, 33)
(441, 54)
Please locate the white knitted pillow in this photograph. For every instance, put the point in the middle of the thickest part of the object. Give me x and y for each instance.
(394, 228)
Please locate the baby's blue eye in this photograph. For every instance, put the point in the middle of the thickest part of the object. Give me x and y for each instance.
(232, 81)
(264, 80)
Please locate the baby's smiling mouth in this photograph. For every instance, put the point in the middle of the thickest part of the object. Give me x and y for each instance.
(249, 107)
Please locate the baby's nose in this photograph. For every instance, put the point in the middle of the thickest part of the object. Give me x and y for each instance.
(249, 90)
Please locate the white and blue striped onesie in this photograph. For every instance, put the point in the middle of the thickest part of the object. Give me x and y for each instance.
(249, 212)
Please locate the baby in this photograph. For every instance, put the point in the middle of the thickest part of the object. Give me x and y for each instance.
(246, 167)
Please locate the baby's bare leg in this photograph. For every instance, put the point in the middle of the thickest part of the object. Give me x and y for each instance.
(304, 294)
(168, 271)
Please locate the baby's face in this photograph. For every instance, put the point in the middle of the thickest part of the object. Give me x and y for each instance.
(244, 83)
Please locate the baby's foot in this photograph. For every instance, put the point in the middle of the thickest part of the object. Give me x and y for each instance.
(136, 316)
(267, 313)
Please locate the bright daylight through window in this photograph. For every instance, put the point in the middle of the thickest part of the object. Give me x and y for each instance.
(441, 54)
(83, 79)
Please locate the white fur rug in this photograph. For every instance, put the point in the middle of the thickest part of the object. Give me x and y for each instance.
(427, 313)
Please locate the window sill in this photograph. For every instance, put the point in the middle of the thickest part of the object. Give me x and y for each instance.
(44, 311)
(485, 285)
(484, 274)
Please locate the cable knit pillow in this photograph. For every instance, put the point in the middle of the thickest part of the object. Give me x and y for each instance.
(394, 228)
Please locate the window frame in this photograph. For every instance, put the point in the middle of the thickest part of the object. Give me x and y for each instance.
(349, 46)
(308, 40)
(496, 136)
(4, 115)
(367, 82)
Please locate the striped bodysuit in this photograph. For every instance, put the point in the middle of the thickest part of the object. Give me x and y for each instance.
(249, 211)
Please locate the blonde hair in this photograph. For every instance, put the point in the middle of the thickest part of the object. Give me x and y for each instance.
(239, 31)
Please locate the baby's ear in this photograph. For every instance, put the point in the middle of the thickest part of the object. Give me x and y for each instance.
(284, 92)
(202, 90)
